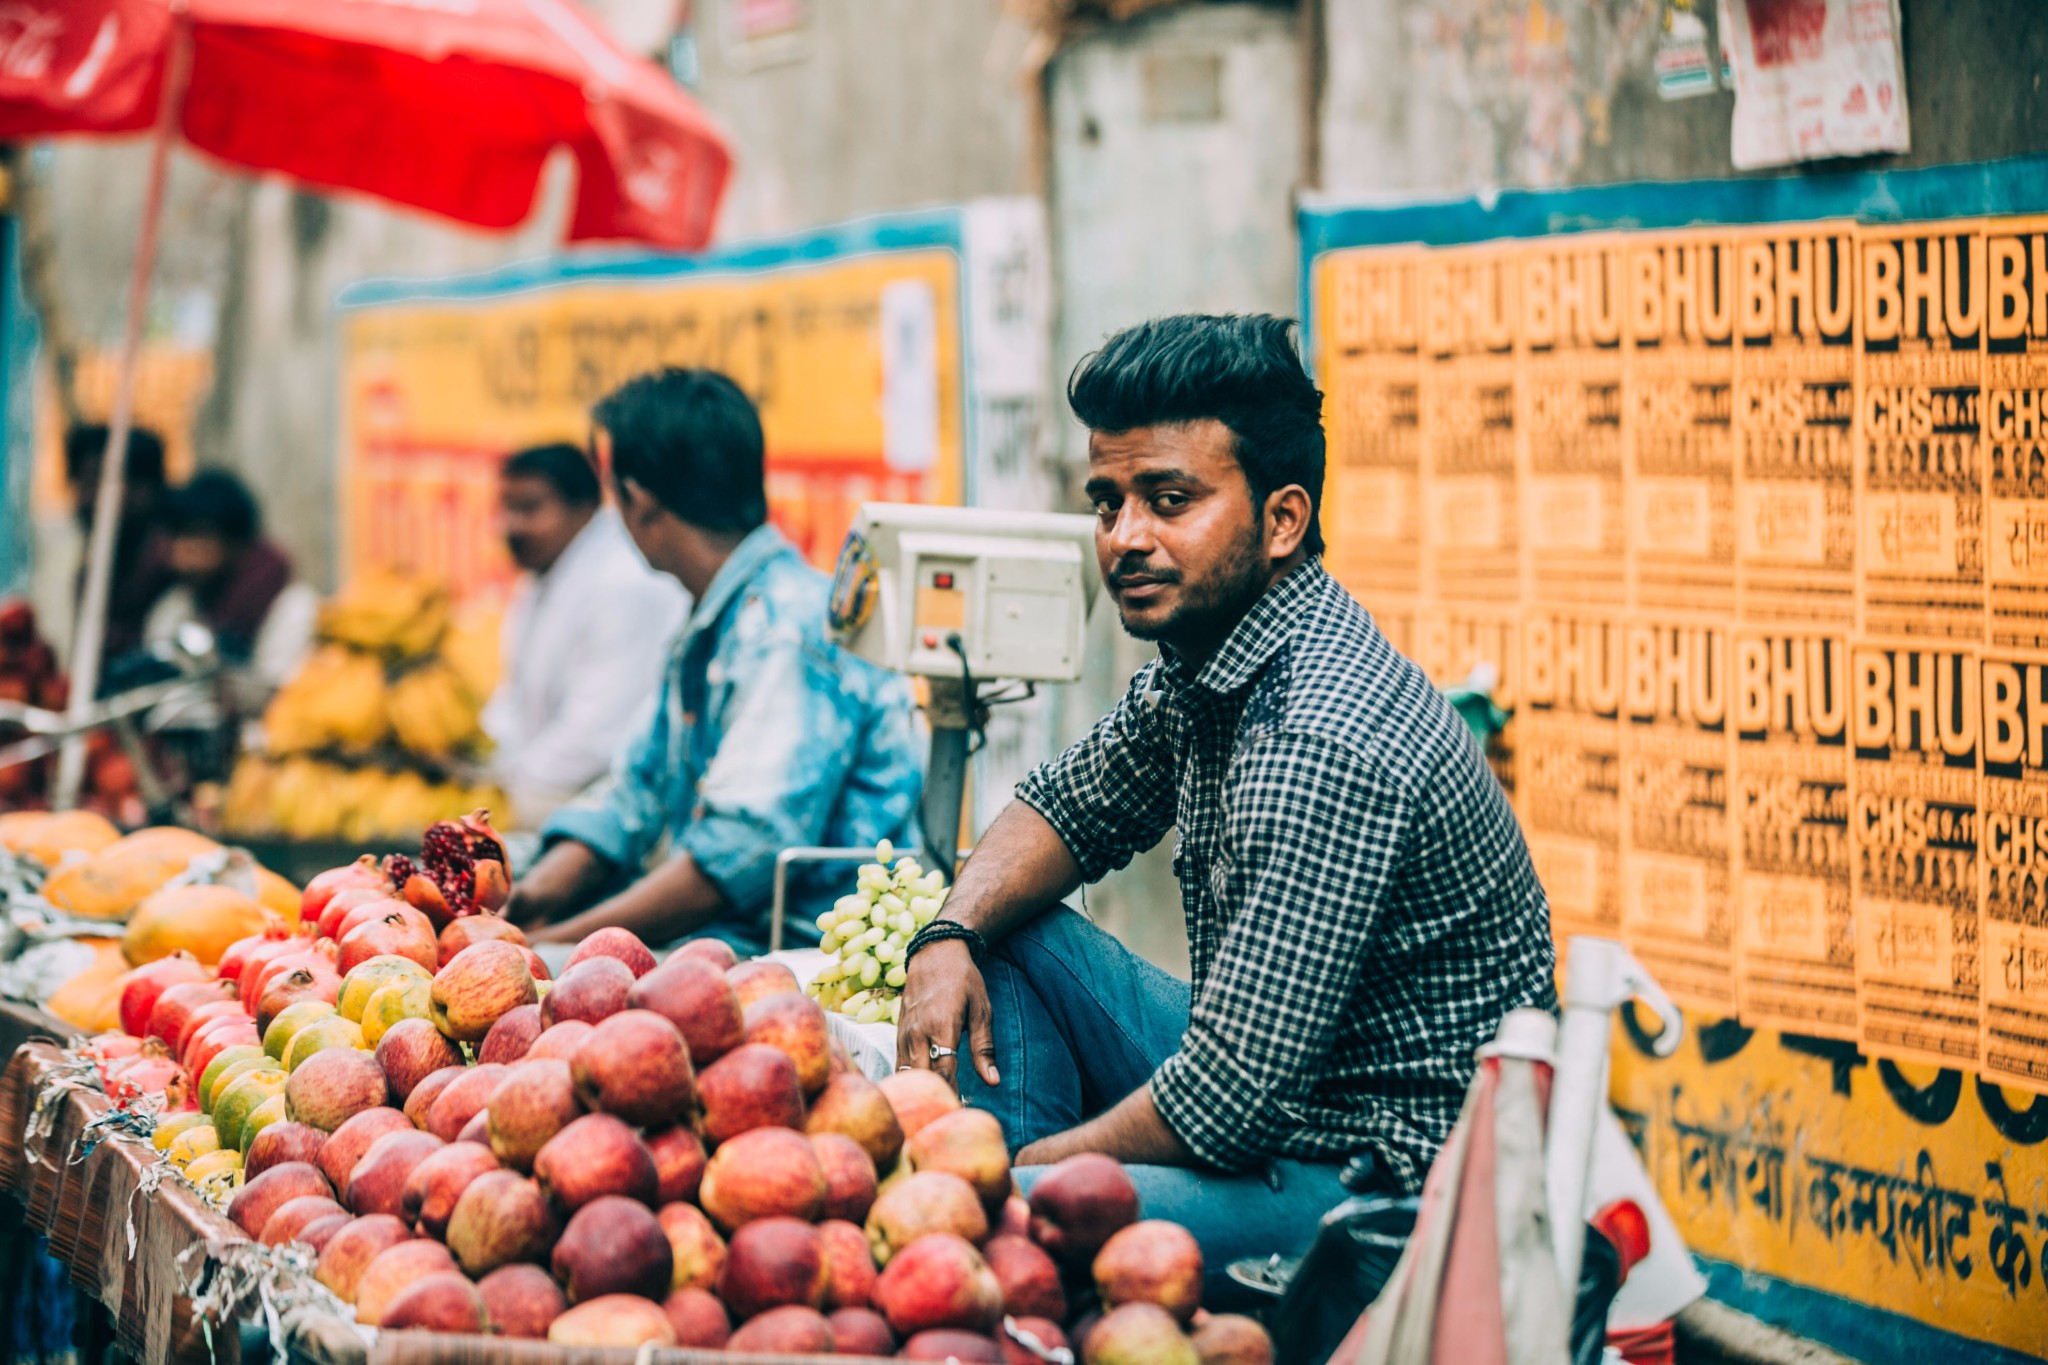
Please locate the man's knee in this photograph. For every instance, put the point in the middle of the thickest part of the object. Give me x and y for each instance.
(1060, 931)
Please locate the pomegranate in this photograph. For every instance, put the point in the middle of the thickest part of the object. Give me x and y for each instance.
(461, 869)
(242, 951)
(363, 873)
(141, 987)
(347, 900)
(175, 1006)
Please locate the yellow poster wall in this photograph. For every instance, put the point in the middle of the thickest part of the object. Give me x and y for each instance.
(1756, 515)
(853, 356)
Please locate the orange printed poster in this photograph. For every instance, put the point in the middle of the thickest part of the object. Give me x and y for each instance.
(1920, 502)
(1795, 410)
(2015, 1041)
(1574, 354)
(1681, 428)
(1471, 499)
(1915, 822)
(2015, 430)
(1795, 940)
(1568, 765)
(1372, 376)
(1457, 643)
(1677, 913)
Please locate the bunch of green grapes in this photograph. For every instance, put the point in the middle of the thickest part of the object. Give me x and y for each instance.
(868, 933)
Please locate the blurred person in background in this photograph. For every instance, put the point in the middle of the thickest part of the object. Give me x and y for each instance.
(226, 575)
(766, 735)
(584, 638)
(140, 571)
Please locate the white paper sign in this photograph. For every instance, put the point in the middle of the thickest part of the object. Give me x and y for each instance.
(1815, 78)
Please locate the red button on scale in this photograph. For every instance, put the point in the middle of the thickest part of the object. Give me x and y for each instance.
(931, 641)
(942, 580)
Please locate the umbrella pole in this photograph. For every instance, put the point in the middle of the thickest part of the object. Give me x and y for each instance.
(99, 574)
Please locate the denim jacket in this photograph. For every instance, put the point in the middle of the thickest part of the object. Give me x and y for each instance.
(765, 735)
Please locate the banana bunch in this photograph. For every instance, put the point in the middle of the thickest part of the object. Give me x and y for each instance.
(336, 700)
(247, 805)
(305, 798)
(433, 712)
(388, 613)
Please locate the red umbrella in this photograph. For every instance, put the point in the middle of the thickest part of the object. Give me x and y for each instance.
(452, 106)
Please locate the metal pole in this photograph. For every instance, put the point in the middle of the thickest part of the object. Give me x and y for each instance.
(99, 573)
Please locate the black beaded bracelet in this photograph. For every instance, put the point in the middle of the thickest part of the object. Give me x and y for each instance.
(940, 931)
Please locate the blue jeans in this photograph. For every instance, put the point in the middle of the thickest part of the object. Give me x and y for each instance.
(1080, 1022)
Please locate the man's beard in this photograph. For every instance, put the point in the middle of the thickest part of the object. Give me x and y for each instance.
(1209, 607)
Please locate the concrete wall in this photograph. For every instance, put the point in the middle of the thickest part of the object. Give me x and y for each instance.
(1457, 95)
(1175, 147)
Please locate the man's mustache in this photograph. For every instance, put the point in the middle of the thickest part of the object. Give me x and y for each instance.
(1129, 571)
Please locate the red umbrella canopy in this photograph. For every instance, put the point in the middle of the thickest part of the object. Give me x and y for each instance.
(452, 106)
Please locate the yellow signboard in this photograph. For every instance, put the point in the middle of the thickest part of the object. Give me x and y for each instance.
(854, 360)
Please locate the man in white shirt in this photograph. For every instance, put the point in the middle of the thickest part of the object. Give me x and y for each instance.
(585, 637)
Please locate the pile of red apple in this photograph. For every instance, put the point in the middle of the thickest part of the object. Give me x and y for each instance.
(639, 1152)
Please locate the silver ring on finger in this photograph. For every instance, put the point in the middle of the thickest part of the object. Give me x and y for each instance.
(939, 1050)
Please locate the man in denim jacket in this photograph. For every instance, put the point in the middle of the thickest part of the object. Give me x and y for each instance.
(765, 735)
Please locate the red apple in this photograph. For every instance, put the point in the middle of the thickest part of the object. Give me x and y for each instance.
(939, 1280)
(760, 978)
(918, 1097)
(438, 1182)
(536, 965)
(280, 1142)
(694, 996)
(1079, 1203)
(441, 1302)
(463, 1099)
(534, 1101)
(502, 1217)
(394, 1270)
(253, 1204)
(461, 933)
(762, 1173)
(294, 1215)
(594, 1157)
(1030, 1280)
(349, 1252)
(715, 951)
(678, 1163)
(699, 1319)
(421, 1101)
(1137, 1334)
(348, 1144)
(752, 1086)
(623, 944)
(333, 1086)
(850, 1265)
(635, 1065)
(1229, 1339)
(771, 1262)
(968, 1143)
(593, 989)
(792, 1330)
(697, 1249)
(1151, 1262)
(614, 1246)
(377, 1184)
(794, 1023)
(561, 1041)
(318, 1233)
(849, 1176)
(1013, 1219)
(861, 1331)
(481, 985)
(852, 1105)
(514, 1032)
(477, 1130)
(949, 1344)
(613, 1320)
(922, 1203)
(412, 1050)
(520, 1300)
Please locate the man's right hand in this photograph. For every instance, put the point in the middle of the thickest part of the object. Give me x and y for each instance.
(944, 997)
(554, 885)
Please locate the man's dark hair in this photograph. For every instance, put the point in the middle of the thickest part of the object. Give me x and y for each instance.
(692, 440)
(213, 502)
(88, 442)
(564, 467)
(1241, 370)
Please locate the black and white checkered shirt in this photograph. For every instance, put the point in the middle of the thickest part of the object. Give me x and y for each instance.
(1361, 908)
